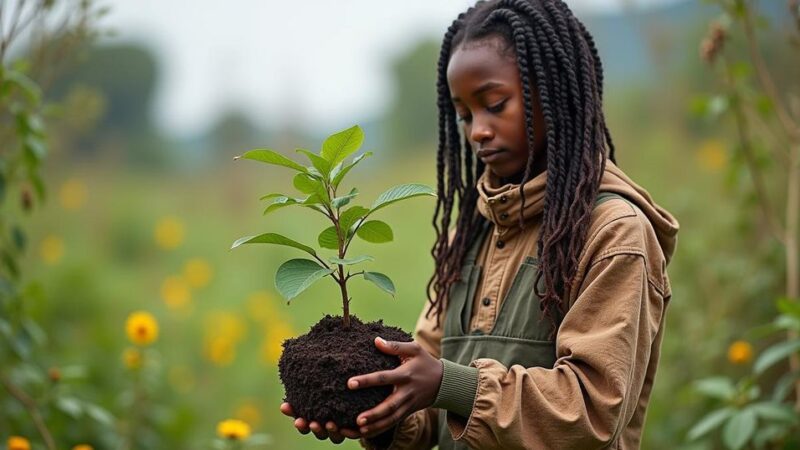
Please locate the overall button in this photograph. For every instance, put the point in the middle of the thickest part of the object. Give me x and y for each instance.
(503, 199)
(486, 301)
(504, 216)
(500, 244)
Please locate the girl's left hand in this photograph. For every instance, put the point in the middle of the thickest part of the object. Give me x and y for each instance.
(416, 383)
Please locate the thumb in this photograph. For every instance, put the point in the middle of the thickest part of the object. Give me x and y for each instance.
(395, 347)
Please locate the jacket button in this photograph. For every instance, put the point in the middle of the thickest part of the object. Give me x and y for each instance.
(500, 244)
(504, 216)
(486, 301)
(503, 199)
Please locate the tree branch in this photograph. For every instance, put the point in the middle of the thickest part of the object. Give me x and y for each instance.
(33, 410)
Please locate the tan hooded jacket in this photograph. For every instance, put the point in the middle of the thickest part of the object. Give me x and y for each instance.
(607, 346)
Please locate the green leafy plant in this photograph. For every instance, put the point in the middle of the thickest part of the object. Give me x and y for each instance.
(320, 185)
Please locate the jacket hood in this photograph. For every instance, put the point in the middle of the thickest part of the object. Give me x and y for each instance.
(501, 204)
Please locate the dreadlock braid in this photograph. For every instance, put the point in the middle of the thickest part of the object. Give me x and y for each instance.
(556, 58)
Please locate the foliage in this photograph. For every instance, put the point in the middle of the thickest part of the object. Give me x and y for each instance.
(320, 183)
(768, 152)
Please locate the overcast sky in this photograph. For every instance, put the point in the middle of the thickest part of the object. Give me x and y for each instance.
(324, 60)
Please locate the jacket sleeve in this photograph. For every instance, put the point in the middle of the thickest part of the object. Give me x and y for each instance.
(420, 429)
(603, 349)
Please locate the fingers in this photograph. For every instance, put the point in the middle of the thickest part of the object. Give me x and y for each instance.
(383, 416)
(382, 378)
(320, 432)
(286, 409)
(397, 348)
(301, 425)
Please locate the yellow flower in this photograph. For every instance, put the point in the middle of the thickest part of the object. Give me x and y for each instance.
(712, 156)
(220, 350)
(72, 194)
(233, 429)
(52, 249)
(272, 346)
(142, 328)
(18, 443)
(197, 272)
(740, 352)
(248, 412)
(169, 232)
(83, 447)
(175, 292)
(133, 358)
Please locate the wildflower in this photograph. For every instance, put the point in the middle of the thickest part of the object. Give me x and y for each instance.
(740, 352)
(175, 292)
(18, 443)
(52, 249)
(197, 272)
(233, 429)
(142, 328)
(133, 358)
(72, 194)
(169, 233)
(83, 447)
(712, 156)
(220, 350)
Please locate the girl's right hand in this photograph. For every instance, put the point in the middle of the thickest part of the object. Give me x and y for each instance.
(330, 430)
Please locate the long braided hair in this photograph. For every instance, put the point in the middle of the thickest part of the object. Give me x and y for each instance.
(556, 54)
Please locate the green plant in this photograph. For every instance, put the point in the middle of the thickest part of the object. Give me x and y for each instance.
(320, 185)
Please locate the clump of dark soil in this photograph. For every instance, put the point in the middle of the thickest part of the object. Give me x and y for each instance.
(314, 369)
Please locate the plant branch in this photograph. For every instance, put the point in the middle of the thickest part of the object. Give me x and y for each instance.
(33, 410)
(792, 249)
(746, 145)
(764, 77)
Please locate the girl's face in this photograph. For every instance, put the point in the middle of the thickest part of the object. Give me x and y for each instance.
(486, 90)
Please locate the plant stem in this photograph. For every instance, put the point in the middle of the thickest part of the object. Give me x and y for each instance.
(793, 250)
(33, 410)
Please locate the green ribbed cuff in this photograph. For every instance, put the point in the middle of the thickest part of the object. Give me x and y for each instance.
(458, 389)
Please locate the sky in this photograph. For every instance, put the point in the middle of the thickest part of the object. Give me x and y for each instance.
(322, 61)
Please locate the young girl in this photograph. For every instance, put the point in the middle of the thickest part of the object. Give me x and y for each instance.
(549, 296)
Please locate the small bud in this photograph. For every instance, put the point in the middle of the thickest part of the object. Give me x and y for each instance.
(26, 199)
(713, 42)
(54, 374)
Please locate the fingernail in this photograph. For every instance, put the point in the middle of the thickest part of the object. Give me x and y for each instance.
(382, 341)
(353, 384)
(362, 421)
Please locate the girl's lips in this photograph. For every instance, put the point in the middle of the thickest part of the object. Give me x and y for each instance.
(488, 155)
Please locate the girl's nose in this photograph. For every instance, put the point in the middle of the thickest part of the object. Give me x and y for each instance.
(481, 132)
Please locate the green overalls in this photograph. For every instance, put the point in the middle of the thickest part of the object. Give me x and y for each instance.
(518, 336)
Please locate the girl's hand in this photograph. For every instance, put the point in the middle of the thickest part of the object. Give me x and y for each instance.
(331, 431)
(416, 383)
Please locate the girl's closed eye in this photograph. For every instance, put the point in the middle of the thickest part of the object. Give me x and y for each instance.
(494, 109)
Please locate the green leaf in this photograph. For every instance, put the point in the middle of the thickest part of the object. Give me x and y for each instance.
(273, 195)
(380, 280)
(296, 275)
(338, 202)
(328, 238)
(70, 406)
(400, 192)
(739, 429)
(351, 261)
(99, 414)
(774, 354)
(271, 157)
(789, 306)
(27, 86)
(709, 422)
(273, 238)
(774, 411)
(18, 236)
(306, 184)
(348, 218)
(319, 163)
(784, 385)
(339, 175)
(716, 387)
(280, 202)
(340, 145)
(375, 231)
